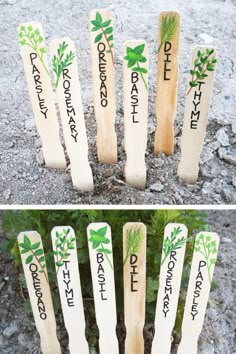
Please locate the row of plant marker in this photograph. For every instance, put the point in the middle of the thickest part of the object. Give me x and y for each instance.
(135, 84)
(102, 269)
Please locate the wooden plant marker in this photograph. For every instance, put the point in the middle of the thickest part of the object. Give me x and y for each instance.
(134, 256)
(203, 263)
(103, 67)
(167, 80)
(173, 251)
(101, 263)
(135, 77)
(197, 105)
(33, 52)
(33, 261)
(70, 103)
(68, 278)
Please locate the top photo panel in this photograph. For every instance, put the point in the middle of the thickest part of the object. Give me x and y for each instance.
(118, 102)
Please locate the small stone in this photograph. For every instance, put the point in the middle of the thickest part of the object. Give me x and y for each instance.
(206, 38)
(10, 331)
(227, 97)
(222, 137)
(7, 194)
(234, 181)
(156, 187)
(234, 126)
(30, 124)
(40, 158)
(108, 172)
(225, 240)
(209, 349)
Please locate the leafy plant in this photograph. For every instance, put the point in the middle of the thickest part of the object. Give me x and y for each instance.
(135, 56)
(171, 243)
(168, 29)
(36, 252)
(105, 30)
(134, 239)
(59, 63)
(208, 249)
(98, 240)
(63, 244)
(202, 64)
(33, 38)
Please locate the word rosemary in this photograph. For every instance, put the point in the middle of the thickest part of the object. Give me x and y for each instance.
(33, 38)
(172, 243)
(168, 29)
(98, 239)
(63, 244)
(106, 31)
(135, 56)
(202, 64)
(60, 62)
(36, 254)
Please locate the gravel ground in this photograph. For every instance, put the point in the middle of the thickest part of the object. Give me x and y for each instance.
(24, 179)
(17, 328)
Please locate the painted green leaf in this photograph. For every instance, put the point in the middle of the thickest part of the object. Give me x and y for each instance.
(38, 252)
(29, 259)
(140, 70)
(193, 84)
(71, 247)
(35, 245)
(40, 271)
(102, 231)
(108, 30)
(25, 250)
(110, 38)
(139, 49)
(98, 18)
(41, 259)
(94, 29)
(98, 38)
(57, 233)
(55, 253)
(104, 250)
(27, 241)
(106, 23)
(131, 63)
(59, 264)
(95, 23)
(96, 244)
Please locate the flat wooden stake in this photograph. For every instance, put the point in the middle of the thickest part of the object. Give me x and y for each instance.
(68, 278)
(173, 251)
(197, 105)
(67, 83)
(101, 263)
(135, 77)
(134, 258)
(167, 80)
(33, 261)
(203, 263)
(103, 67)
(33, 53)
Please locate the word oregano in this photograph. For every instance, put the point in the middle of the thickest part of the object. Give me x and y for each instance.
(134, 240)
(168, 29)
(202, 64)
(208, 249)
(36, 253)
(60, 62)
(63, 244)
(99, 239)
(106, 31)
(33, 38)
(172, 244)
(135, 56)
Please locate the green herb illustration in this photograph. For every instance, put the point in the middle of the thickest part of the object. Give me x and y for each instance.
(135, 56)
(36, 253)
(202, 64)
(168, 29)
(63, 244)
(33, 38)
(99, 239)
(134, 240)
(105, 30)
(172, 243)
(62, 61)
(208, 249)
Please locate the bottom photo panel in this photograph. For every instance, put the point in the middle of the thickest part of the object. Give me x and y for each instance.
(118, 281)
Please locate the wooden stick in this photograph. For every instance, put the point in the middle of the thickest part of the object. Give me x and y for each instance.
(101, 263)
(135, 76)
(33, 261)
(33, 53)
(167, 80)
(203, 263)
(69, 98)
(172, 260)
(68, 278)
(197, 104)
(134, 257)
(101, 30)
